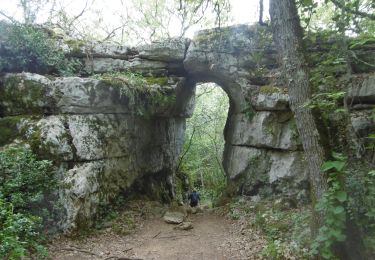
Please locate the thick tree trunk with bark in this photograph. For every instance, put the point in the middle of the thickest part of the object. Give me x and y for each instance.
(287, 34)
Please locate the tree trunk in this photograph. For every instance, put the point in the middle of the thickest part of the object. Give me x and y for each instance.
(287, 34)
(261, 13)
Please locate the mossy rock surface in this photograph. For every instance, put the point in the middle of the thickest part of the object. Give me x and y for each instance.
(16, 127)
(161, 81)
(8, 129)
(19, 95)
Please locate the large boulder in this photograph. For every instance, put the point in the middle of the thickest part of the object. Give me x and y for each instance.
(173, 217)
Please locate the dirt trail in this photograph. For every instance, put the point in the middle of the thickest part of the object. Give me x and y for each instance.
(213, 237)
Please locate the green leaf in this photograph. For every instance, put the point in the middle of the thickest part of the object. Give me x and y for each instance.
(372, 173)
(370, 214)
(341, 196)
(338, 210)
(340, 110)
(306, 2)
(337, 165)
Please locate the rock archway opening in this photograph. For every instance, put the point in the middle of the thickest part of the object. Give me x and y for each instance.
(200, 165)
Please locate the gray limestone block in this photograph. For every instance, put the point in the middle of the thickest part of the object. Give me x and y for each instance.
(271, 102)
(363, 122)
(242, 160)
(264, 129)
(88, 185)
(287, 165)
(362, 89)
(27, 93)
(142, 66)
(169, 50)
(101, 136)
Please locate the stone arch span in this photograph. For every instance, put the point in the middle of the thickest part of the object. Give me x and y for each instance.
(263, 154)
(114, 134)
(109, 136)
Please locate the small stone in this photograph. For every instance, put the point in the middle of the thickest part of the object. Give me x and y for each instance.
(184, 226)
(171, 217)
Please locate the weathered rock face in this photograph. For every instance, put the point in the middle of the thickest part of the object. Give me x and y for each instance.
(118, 135)
(158, 59)
(101, 136)
(262, 153)
(361, 89)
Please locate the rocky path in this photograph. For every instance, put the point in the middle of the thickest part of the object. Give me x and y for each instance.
(213, 237)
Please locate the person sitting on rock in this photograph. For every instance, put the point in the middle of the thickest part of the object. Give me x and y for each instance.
(194, 198)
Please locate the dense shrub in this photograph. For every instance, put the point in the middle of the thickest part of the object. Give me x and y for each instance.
(24, 180)
(287, 230)
(19, 233)
(360, 185)
(25, 186)
(27, 48)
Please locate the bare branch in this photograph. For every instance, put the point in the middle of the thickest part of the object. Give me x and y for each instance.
(8, 17)
(111, 34)
(186, 150)
(79, 15)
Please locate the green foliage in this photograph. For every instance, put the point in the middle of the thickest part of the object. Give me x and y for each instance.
(322, 15)
(25, 187)
(124, 224)
(122, 79)
(307, 9)
(25, 182)
(268, 89)
(327, 102)
(19, 234)
(274, 250)
(325, 72)
(287, 230)
(332, 205)
(249, 112)
(27, 48)
(204, 143)
(143, 94)
(360, 185)
(327, 67)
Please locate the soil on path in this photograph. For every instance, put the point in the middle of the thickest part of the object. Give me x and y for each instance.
(213, 237)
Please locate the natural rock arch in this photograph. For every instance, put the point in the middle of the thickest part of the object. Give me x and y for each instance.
(108, 136)
(262, 152)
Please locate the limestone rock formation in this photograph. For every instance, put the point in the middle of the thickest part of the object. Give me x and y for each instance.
(101, 136)
(361, 89)
(114, 134)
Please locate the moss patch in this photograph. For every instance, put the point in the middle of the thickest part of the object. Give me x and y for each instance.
(271, 89)
(8, 129)
(22, 96)
(209, 36)
(161, 81)
(249, 112)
